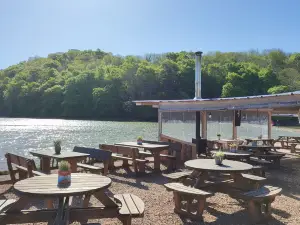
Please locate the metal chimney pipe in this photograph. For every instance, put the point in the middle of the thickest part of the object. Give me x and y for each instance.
(198, 56)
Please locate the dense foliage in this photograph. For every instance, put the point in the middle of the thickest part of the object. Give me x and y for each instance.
(99, 85)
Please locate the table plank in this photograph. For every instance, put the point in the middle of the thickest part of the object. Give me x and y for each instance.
(81, 183)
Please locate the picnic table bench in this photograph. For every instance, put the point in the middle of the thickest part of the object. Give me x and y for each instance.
(95, 155)
(22, 166)
(125, 154)
(122, 206)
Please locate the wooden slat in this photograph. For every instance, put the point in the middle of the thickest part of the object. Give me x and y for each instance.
(253, 177)
(90, 167)
(178, 187)
(131, 204)
(5, 204)
(37, 173)
(178, 175)
(98, 154)
(264, 191)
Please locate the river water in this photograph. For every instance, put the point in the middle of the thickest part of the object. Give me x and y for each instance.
(23, 135)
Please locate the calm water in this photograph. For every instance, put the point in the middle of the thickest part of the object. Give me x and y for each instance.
(23, 135)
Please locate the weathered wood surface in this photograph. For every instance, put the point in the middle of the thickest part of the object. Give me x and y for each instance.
(178, 175)
(253, 177)
(81, 183)
(71, 157)
(130, 204)
(264, 192)
(6, 204)
(181, 188)
(210, 165)
(25, 167)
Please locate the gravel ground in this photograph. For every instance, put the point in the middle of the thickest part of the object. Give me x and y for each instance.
(221, 209)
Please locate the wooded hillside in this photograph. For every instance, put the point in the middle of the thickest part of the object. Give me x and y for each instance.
(99, 85)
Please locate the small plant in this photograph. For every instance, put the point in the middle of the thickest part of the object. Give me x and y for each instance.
(64, 166)
(219, 136)
(140, 138)
(260, 136)
(219, 157)
(232, 145)
(57, 146)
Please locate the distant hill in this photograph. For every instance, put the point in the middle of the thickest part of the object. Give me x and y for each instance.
(99, 85)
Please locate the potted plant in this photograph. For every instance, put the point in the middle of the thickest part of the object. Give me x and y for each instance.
(64, 174)
(260, 136)
(233, 147)
(219, 136)
(139, 140)
(57, 146)
(219, 157)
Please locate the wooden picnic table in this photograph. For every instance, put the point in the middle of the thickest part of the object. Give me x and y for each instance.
(202, 167)
(238, 155)
(265, 141)
(45, 187)
(71, 157)
(260, 148)
(223, 143)
(155, 149)
(289, 138)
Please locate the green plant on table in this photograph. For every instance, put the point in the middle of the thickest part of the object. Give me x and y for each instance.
(219, 155)
(139, 138)
(57, 146)
(64, 166)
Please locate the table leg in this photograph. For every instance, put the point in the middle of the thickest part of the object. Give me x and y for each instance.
(156, 155)
(73, 164)
(104, 199)
(45, 164)
(200, 180)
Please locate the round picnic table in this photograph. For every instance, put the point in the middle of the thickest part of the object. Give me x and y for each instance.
(209, 165)
(235, 155)
(203, 167)
(46, 187)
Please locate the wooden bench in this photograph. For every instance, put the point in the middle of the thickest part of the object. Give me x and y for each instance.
(258, 170)
(254, 180)
(173, 153)
(125, 154)
(259, 166)
(95, 155)
(128, 206)
(178, 176)
(274, 158)
(184, 193)
(23, 166)
(259, 202)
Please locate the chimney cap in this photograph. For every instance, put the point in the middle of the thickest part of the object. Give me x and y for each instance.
(198, 53)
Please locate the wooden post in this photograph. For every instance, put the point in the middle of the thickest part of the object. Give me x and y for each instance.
(269, 124)
(159, 124)
(234, 129)
(203, 125)
(197, 124)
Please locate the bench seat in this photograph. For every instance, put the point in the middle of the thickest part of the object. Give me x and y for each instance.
(130, 205)
(259, 202)
(188, 194)
(5, 204)
(178, 175)
(93, 169)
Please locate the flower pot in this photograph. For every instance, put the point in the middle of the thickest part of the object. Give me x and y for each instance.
(57, 150)
(218, 161)
(233, 150)
(139, 142)
(219, 137)
(64, 178)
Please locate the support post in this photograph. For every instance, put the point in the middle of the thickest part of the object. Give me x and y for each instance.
(197, 124)
(234, 129)
(159, 124)
(203, 125)
(269, 124)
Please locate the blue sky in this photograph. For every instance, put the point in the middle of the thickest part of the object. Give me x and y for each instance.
(40, 27)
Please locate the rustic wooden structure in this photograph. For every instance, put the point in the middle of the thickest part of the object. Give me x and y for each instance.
(126, 154)
(259, 202)
(95, 155)
(72, 157)
(155, 149)
(22, 166)
(187, 194)
(286, 103)
(289, 142)
(123, 206)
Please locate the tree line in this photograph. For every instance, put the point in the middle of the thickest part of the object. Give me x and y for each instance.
(99, 85)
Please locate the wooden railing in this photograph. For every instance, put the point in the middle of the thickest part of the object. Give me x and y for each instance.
(188, 149)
